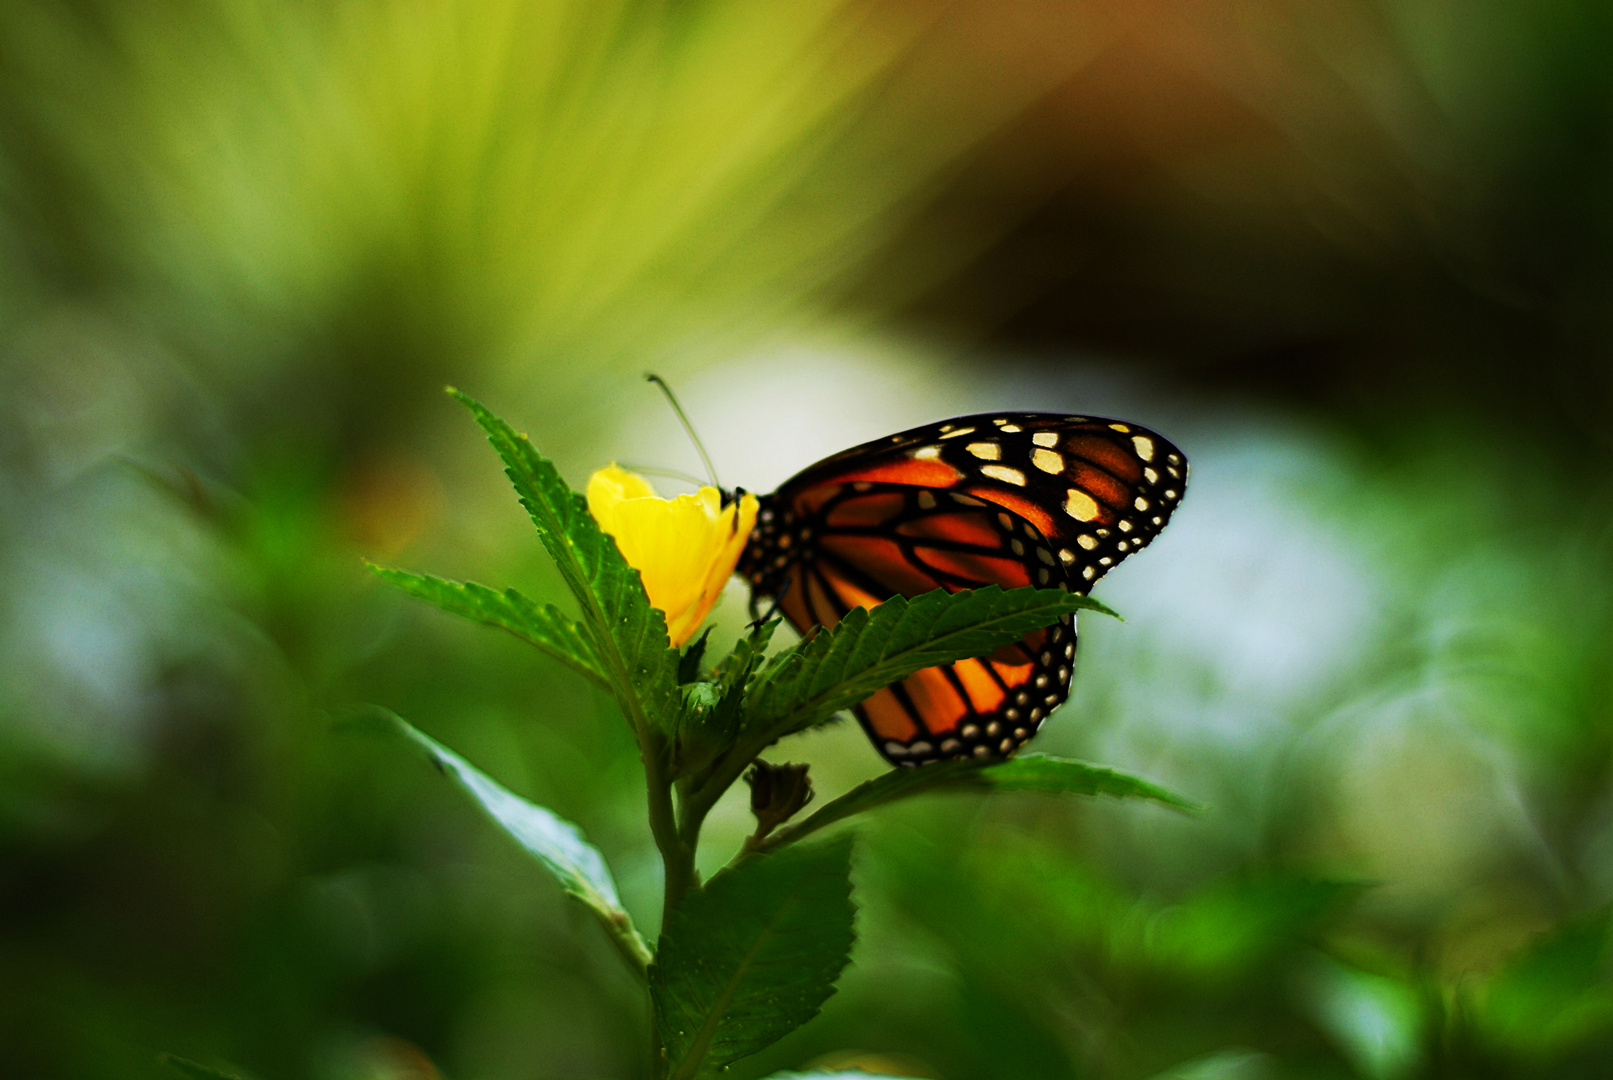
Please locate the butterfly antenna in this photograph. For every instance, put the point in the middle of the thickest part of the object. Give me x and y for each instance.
(672, 399)
(656, 470)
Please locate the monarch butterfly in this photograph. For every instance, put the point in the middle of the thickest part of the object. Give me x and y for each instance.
(1008, 499)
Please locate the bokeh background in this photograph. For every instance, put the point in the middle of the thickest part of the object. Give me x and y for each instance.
(1354, 256)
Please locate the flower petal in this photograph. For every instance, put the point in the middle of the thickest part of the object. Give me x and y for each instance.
(684, 549)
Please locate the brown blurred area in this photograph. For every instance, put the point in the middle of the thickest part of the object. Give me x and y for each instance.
(1376, 208)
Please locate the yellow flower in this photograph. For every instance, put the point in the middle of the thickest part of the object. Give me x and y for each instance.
(685, 548)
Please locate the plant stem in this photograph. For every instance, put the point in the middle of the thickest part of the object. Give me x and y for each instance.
(676, 861)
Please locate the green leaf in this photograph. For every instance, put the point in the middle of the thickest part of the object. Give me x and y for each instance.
(628, 635)
(713, 711)
(1062, 776)
(546, 627)
(752, 956)
(837, 1074)
(1028, 772)
(689, 669)
(553, 841)
(873, 647)
(194, 1069)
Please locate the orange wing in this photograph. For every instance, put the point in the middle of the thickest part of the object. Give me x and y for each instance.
(1010, 500)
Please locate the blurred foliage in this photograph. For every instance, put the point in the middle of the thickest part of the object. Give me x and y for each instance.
(1353, 256)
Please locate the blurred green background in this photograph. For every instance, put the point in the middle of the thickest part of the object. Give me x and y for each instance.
(1354, 256)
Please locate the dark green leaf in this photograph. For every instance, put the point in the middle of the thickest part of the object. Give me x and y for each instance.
(689, 660)
(712, 711)
(752, 956)
(1028, 772)
(628, 635)
(873, 647)
(837, 1074)
(194, 1069)
(553, 841)
(1229, 926)
(1555, 992)
(545, 627)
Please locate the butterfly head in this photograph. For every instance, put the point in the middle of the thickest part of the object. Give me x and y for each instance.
(779, 541)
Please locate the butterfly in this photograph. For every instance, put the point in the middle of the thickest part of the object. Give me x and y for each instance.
(1008, 499)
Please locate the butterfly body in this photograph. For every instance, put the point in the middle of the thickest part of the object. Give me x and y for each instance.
(1009, 499)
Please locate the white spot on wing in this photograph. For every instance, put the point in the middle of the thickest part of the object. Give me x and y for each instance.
(1047, 461)
(1004, 473)
(1143, 444)
(1079, 505)
(985, 451)
(927, 453)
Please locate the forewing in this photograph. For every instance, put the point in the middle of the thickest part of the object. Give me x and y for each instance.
(1097, 489)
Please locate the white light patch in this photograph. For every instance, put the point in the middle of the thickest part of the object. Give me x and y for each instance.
(1047, 461)
(1066, 556)
(1151, 476)
(1119, 427)
(1079, 505)
(1004, 473)
(1046, 438)
(1143, 444)
(985, 451)
(958, 432)
(927, 453)
(1141, 503)
(1087, 541)
(1012, 429)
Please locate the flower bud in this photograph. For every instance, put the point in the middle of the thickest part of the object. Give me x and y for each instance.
(777, 793)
